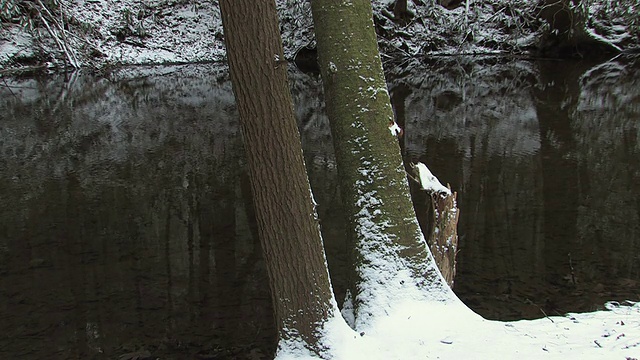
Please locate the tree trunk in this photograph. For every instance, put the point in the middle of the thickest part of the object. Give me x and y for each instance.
(443, 233)
(391, 259)
(287, 224)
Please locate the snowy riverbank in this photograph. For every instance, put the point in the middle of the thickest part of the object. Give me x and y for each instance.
(420, 330)
(106, 33)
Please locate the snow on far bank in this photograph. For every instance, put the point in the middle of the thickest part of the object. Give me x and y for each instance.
(15, 43)
(132, 32)
(419, 330)
(125, 32)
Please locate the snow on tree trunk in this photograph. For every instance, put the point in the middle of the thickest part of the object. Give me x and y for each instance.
(391, 259)
(287, 223)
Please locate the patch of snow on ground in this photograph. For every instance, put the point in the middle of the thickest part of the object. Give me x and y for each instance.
(419, 330)
(15, 43)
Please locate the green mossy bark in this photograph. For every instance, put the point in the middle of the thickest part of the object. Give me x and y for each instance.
(370, 166)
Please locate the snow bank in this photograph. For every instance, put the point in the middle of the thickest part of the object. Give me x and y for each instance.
(419, 330)
(128, 32)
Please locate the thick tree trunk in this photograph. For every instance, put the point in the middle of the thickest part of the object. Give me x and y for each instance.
(390, 253)
(287, 224)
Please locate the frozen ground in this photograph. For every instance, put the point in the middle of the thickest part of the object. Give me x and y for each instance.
(127, 32)
(418, 330)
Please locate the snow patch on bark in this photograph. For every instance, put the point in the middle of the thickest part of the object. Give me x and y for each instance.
(386, 279)
(428, 181)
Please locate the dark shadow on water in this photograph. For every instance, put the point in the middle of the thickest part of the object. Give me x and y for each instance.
(127, 229)
(545, 159)
(127, 222)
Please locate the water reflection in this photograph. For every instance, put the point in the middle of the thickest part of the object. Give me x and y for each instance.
(127, 227)
(545, 157)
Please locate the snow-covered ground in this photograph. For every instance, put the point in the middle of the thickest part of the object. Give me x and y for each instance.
(99, 33)
(127, 32)
(419, 330)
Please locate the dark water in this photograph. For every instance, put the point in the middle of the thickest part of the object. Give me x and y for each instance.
(546, 160)
(126, 225)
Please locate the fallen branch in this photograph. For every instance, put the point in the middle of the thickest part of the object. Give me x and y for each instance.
(56, 31)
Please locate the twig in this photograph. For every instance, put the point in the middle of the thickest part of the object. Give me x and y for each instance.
(8, 87)
(60, 42)
(573, 273)
(528, 301)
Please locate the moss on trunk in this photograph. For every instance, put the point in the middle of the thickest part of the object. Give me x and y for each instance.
(385, 237)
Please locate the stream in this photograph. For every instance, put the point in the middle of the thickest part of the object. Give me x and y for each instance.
(126, 222)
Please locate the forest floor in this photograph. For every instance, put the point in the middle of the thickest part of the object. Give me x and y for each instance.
(107, 33)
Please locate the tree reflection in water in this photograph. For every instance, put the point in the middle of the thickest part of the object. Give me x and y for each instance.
(544, 156)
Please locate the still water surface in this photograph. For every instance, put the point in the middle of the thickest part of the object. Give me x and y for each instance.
(127, 231)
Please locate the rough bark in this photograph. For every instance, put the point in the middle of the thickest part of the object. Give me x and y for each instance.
(287, 224)
(443, 236)
(437, 211)
(382, 226)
